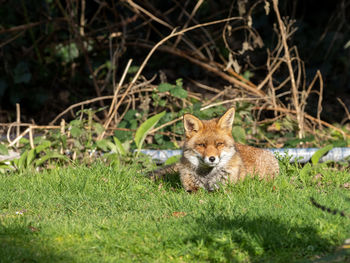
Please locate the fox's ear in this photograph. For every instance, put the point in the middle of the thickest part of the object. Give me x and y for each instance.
(226, 121)
(192, 124)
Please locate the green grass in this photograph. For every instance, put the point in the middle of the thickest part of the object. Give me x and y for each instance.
(115, 214)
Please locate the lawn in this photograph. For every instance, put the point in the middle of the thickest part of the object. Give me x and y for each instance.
(115, 214)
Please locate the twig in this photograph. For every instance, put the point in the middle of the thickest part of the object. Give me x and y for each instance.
(295, 96)
(204, 108)
(18, 113)
(79, 104)
(11, 39)
(31, 33)
(171, 35)
(120, 84)
(320, 94)
(8, 134)
(166, 124)
(31, 140)
(269, 75)
(18, 137)
(203, 86)
(307, 116)
(23, 124)
(22, 27)
(82, 47)
(82, 18)
(198, 4)
(320, 98)
(212, 68)
(345, 108)
(141, 9)
(205, 31)
(235, 74)
(96, 99)
(231, 101)
(221, 93)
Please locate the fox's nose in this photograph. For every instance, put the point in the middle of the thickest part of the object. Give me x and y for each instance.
(212, 158)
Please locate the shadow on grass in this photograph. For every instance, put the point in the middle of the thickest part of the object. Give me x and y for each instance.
(20, 244)
(172, 181)
(261, 239)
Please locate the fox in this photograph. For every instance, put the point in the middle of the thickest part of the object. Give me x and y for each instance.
(211, 157)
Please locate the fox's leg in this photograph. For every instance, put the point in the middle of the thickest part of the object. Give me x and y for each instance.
(235, 174)
(188, 182)
(162, 172)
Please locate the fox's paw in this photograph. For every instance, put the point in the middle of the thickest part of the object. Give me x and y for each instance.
(191, 191)
(151, 175)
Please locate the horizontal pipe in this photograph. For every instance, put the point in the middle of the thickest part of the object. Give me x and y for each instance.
(301, 155)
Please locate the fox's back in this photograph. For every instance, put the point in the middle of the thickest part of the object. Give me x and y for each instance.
(258, 161)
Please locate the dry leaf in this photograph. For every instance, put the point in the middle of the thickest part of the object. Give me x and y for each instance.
(179, 214)
(104, 179)
(33, 229)
(317, 177)
(346, 185)
(274, 127)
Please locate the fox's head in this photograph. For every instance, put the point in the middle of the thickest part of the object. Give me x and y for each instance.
(210, 142)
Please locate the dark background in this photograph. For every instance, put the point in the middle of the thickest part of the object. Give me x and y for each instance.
(45, 67)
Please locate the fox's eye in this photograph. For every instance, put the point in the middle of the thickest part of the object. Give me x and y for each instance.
(201, 144)
(219, 144)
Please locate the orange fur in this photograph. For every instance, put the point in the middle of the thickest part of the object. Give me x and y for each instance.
(211, 157)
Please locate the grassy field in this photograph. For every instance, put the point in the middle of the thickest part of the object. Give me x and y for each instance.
(115, 214)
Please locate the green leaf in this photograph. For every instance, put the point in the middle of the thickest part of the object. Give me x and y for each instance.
(162, 103)
(3, 150)
(197, 107)
(238, 134)
(76, 123)
(123, 135)
(172, 159)
(163, 87)
(119, 146)
(51, 155)
(23, 141)
(44, 144)
(179, 92)
(145, 128)
(133, 69)
(179, 82)
(67, 52)
(98, 128)
(130, 115)
(102, 144)
(319, 153)
(304, 172)
(4, 166)
(75, 131)
(247, 75)
(31, 156)
(295, 142)
(20, 163)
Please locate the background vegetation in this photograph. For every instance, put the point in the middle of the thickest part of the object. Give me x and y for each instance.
(57, 53)
(85, 75)
(85, 83)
